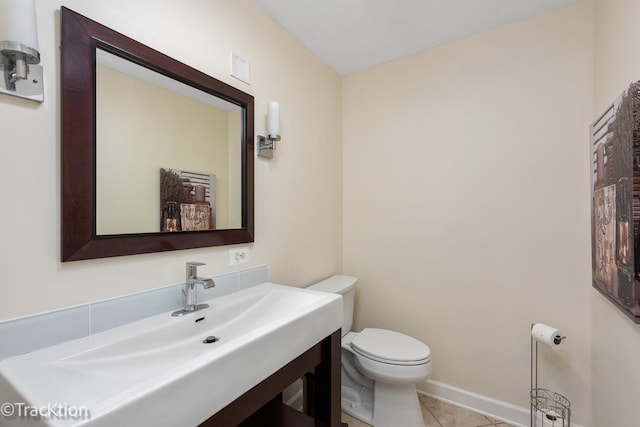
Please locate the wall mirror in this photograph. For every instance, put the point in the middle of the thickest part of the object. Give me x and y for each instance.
(156, 155)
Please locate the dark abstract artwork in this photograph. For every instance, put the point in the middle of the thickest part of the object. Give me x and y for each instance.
(615, 202)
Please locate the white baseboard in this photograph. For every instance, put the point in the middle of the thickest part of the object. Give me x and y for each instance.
(497, 409)
(293, 395)
(295, 401)
(517, 416)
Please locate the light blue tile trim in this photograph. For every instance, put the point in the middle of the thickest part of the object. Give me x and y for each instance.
(253, 276)
(120, 311)
(43, 330)
(225, 284)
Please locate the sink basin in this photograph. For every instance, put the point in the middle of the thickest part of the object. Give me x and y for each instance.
(165, 370)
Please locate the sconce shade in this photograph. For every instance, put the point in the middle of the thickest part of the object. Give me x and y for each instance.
(267, 144)
(18, 23)
(273, 119)
(20, 74)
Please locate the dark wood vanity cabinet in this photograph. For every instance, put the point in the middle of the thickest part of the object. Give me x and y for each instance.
(262, 405)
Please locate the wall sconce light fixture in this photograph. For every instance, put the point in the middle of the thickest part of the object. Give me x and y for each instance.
(19, 50)
(267, 144)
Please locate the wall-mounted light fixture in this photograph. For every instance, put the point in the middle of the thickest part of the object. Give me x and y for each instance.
(267, 144)
(19, 50)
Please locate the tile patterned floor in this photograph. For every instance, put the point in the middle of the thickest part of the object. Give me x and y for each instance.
(441, 414)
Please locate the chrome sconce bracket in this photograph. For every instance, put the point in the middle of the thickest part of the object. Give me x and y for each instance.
(266, 145)
(21, 76)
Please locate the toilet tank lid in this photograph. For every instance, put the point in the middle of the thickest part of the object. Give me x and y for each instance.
(338, 284)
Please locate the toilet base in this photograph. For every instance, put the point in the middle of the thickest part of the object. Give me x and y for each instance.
(358, 403)
(386, 405)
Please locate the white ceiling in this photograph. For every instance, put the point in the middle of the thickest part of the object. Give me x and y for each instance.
(351, 35)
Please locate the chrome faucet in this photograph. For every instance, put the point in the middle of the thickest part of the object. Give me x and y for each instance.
(190, 291)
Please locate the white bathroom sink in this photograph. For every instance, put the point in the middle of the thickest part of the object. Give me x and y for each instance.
(158, 371)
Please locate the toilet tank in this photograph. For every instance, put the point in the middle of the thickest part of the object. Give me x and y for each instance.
(345, 286)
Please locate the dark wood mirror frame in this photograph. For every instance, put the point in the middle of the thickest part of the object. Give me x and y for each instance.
(80, 38)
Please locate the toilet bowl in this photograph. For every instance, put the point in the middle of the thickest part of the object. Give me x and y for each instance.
(380, 368)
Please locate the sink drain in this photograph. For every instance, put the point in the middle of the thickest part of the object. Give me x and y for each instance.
(210, 339)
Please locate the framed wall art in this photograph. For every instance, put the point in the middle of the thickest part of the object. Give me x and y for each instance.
(615, 202)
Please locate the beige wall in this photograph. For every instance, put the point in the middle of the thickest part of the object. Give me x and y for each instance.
(616, 340)
(234, 124)
(300, 242)
(466, 202)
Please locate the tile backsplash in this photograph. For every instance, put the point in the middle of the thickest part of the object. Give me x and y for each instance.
(42, 330)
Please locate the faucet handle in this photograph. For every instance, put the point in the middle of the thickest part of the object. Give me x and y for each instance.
(192, 268)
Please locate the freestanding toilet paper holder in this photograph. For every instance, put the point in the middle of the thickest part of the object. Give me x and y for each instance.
(548, 408)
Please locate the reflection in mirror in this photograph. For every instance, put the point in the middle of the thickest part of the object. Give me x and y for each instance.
(156, 159)
(152, 132)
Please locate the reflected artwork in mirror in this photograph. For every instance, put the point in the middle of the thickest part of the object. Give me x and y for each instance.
(156, 155)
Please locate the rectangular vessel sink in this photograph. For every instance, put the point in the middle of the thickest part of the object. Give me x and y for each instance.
(169, 371)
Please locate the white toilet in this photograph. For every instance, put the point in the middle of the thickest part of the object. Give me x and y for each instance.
(380, 368)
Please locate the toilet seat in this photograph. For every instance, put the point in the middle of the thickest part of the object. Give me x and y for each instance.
(390, 347)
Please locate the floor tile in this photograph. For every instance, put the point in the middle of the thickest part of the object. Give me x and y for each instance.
(429, 419)
(499, 423)
(449, 415)
(437, 413)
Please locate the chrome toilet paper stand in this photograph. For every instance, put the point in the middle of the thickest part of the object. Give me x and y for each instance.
(548, 408)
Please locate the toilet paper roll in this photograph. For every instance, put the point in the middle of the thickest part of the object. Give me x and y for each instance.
(546, 422)
(548, 335)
